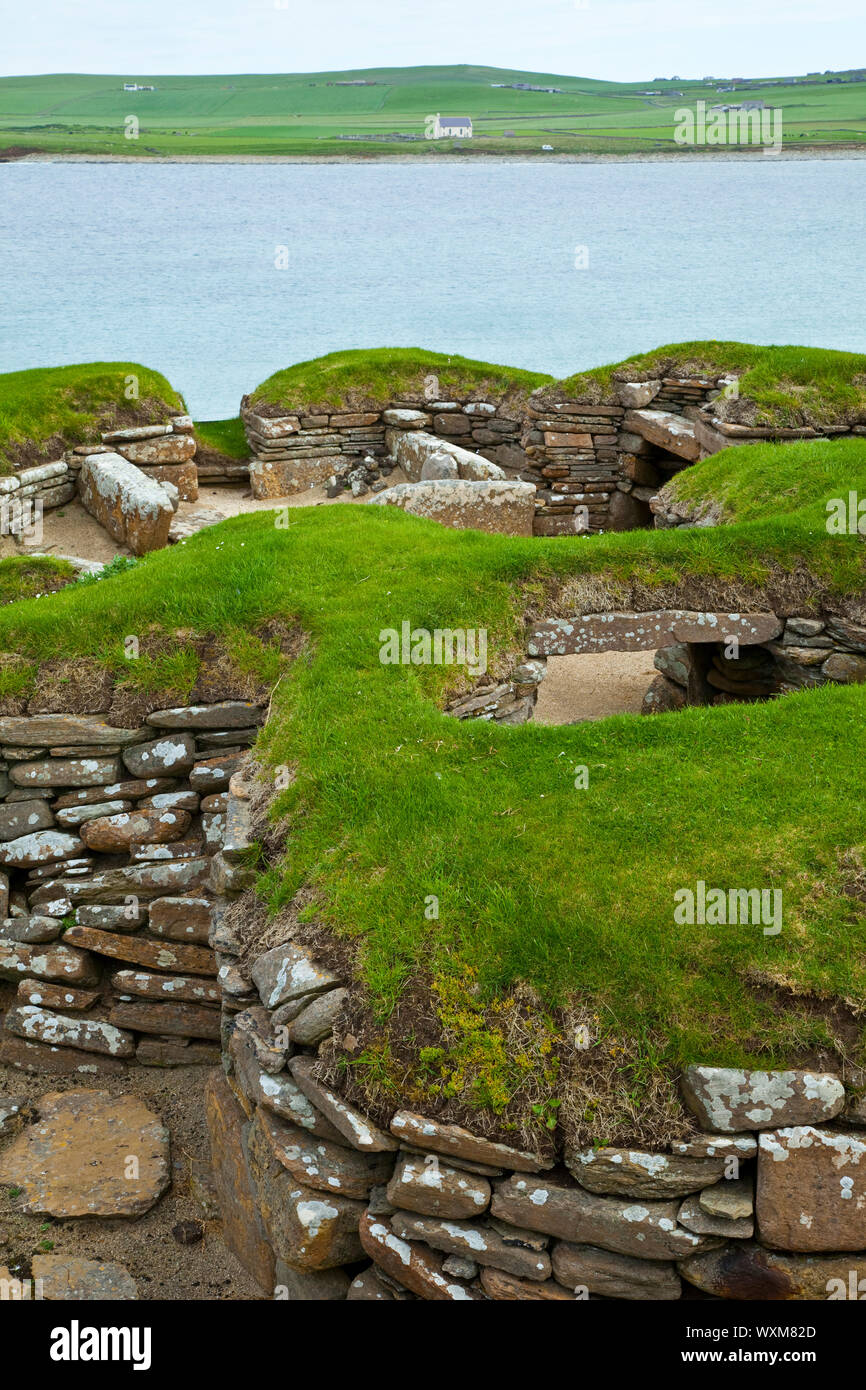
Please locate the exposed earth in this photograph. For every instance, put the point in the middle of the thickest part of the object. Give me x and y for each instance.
(161, 1266)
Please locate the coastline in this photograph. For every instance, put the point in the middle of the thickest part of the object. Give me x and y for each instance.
(659, 157)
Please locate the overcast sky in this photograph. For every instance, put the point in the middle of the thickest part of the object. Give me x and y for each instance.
(614, 39)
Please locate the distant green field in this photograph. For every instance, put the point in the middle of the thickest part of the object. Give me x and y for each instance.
(309, 113)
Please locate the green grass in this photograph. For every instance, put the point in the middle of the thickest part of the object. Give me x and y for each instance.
(790, 386)
(31, 576)
(304, 113)
(376, 376)
(224, 437)
(67, 405)
(567, 892)
(785, 386)
(794, 479)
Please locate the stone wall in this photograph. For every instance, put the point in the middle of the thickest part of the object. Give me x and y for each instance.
(596, 466)
(109, 869)
(125, 860)
(766, 1198)
(300, 450)
(590, 470)
(697, 659)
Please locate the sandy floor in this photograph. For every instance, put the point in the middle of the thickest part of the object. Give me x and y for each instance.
(593, 686)
(162, 1268)
(70, 530)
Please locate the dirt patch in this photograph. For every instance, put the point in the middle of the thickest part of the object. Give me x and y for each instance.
(593, 685)
(161, 1267)
(107, 415)
(85, 686)
(842, 1019)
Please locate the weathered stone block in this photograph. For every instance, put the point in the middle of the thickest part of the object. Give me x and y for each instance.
(133, 508)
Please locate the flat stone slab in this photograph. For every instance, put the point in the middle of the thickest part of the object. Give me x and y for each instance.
(89, 1154)
(717, 1146)
(414, 449)
(171, 754)
(639, 632)
(133, 508)
(673, 433)
(66, 772)
(478, 1241)
(316, 1021)
(55, 730)
(357, 1129)
(309, 1229)
(228, 714)
(317, 1163)
(242, 1227)
(457, 1143)
(645, 1229)
(88, 1034)
(500, 508)
(169, 449)
(166, 1018)
(749, 1272)
(406, 419)
(43, 1059)
(114, 886)
(133, 789)
(811, 1191)
(193, 989)
(422, 1183)
(60, 998)
(56, 963)
(289, 972)
(613, 1276)
(692, 1215)
(168, 956)
(114, 834)
(415, 1266)
(19, 818)
(42, 847)
(634, 395)
(728, 1099)
(279, 1093)
(631, 1173)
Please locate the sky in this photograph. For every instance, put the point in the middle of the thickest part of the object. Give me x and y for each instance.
(625, 40)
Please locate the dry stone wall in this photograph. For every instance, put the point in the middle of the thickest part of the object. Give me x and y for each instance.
(765, 1199)
(109, 848)
(125, 857)
(595, 465)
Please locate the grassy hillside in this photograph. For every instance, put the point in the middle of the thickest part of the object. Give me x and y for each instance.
(374, 376)
(49, 408)
(555, 903)
(782, 386)
(786, 386)
(307, 113)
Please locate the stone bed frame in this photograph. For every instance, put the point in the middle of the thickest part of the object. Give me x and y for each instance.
(318, 1201)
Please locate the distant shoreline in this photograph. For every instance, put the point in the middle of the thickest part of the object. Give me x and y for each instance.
(656, 157)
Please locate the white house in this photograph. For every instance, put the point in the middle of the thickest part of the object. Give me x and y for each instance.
(460, 126)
